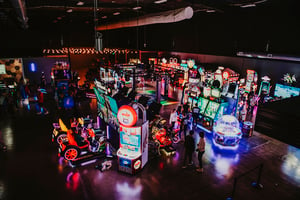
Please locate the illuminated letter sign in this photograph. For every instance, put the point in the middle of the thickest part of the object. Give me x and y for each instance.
(127, 116)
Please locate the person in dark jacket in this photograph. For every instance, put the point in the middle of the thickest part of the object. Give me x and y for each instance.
(189, 146)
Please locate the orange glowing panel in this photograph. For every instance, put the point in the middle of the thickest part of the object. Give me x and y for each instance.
(127, 116)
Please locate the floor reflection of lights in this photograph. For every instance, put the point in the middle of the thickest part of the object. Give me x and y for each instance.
(223, 160)
(8, 138)
(126, 192)
(2, 190)
(291, 164)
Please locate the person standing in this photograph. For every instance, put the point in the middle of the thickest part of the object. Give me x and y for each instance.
(189, 145)
(173, 118)
(195, 112)
(40, 96)
(201, 150)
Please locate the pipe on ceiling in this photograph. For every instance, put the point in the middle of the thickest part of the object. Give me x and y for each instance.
(20, 8)
(157, 18)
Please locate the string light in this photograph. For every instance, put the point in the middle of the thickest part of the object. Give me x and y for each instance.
(86, 51)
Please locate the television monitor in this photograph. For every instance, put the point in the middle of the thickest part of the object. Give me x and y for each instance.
(285, 91)
(202, 103)
(113, 104)
(206, 91)
(2, 69)
(231, 88)
(216, 93)
(211, 109)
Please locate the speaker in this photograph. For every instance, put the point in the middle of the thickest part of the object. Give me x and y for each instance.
(99, 42)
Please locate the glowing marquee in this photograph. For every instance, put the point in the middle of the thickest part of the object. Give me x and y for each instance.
(127, 116)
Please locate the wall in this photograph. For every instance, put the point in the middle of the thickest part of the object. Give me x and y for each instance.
(43, 65)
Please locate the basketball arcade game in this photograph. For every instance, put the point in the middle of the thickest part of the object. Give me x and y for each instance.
(133, 151)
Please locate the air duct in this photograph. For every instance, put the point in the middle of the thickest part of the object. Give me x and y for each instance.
(20, 8)
(157, 18)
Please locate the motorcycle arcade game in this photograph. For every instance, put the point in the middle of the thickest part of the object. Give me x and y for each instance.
(80, 145)
(163, 137)
(133, 151)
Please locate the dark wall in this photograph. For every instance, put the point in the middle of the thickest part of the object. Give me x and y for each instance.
(43, 65)
(270, 27)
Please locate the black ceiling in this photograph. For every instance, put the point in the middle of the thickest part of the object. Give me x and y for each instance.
(45, 13)
(242, 24)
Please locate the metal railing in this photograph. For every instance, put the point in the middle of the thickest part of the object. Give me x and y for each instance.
(256, 184)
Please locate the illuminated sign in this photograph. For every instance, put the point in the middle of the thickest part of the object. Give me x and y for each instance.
(32, 67)
(225, 75)
(127, 116)
(137, 164)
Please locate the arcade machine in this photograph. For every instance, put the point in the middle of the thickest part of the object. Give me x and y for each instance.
(230, 83)
(134, 127)
(214, 110)
(60, 79)
(251, 81)
(264, 86)
(226, 132)
(107, 117)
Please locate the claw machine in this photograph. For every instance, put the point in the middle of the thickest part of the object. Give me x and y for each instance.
(133, 151)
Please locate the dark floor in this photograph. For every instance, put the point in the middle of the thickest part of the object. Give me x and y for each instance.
(31, 169)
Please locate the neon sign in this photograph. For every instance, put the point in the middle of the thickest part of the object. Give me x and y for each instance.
(127, 116)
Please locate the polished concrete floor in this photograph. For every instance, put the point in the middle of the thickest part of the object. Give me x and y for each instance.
(31, 169)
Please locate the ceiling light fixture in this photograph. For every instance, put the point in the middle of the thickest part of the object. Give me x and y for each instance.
(160, 1)
(210, 11)
(248, 5)
(137, 8)
(104, 17)
(116, 13)
(80, 3)
(69, 10)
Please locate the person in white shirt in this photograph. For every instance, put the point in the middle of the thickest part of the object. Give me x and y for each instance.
(201, 150)
(173, 118)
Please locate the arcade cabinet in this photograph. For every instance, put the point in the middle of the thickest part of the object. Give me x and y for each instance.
(264, 86)
(226, 132)
(133, 151)
(251, 81)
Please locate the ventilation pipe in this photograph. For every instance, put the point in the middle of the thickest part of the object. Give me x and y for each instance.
(20, 8)
(157, 18)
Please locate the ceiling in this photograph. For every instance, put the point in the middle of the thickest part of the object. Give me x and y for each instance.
(217, 26)
(44, 13)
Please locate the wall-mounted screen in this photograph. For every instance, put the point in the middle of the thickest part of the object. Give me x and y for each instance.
(285, 91)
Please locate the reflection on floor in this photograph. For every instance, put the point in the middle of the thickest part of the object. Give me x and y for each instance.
(31, 168)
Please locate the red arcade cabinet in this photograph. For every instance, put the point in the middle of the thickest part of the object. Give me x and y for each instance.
(133, 151)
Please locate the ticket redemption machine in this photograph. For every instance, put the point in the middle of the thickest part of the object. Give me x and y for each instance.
(133, 151)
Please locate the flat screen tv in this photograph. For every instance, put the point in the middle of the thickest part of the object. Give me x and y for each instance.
(285, 91)
(2, 69)
(211, 109)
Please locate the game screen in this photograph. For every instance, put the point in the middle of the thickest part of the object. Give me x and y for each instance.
(223, 110)
(216, 93)
(231, 88)
(285, 91)
(211, 109)
(102, 109)
(113, 105)
(265, 87)
(202, 103)
(206, 91)
(112, 112)
(130, 138)
(2, 69)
